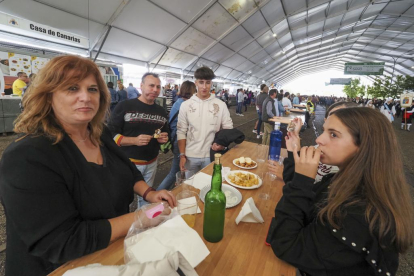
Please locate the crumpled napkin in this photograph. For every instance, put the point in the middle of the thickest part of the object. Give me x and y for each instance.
(249, 213)
(167, 266)
(172, 235)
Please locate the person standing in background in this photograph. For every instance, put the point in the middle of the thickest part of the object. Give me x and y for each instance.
(19, 84)
(139, 126)
(132, 92)
(200, 118)
(287, 104)
(114, 95)
(268, 112)
(296, 99)
(259, 103)
(240, 99)
(174, 94)
(187, 90)
(123, 95)
(118, 83)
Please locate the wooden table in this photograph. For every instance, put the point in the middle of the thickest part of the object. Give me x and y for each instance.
(242, 251)
(297, 110)
(286, 119)
(299, 105)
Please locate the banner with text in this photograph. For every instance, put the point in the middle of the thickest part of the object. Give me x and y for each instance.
(26, 27)
(340, 81)
(364, 68)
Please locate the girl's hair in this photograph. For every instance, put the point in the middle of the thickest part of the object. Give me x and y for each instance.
(338, 104)
(121, 86)
(60, 73)
(187, 89)
(374, 178)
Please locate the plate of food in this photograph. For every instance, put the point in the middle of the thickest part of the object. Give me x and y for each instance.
(243, 180)
(233, 196)
(245, 163)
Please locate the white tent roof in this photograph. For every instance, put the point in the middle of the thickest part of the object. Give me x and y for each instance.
(236, 38)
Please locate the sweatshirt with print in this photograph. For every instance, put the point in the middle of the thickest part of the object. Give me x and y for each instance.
(198, 122)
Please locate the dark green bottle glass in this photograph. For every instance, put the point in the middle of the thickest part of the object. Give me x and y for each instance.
(214, 206)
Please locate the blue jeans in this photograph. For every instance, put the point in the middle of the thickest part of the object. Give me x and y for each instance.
(239, 108)
(196, 164)
(259, 123)
(148, 172)
(169, 180)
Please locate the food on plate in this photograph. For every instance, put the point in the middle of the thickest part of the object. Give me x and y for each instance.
(243, 179)
(245, 162)
(14, 61)
(26, 67)
(25, 59)
(230, 198)
(13, 69)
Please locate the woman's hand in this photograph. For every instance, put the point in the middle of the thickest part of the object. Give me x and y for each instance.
(275, 168)
(163, 138)
(292, 141)
(308, 161)
(298, 125)
(158, 196)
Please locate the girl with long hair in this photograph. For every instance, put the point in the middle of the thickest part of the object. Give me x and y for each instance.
(354, 222)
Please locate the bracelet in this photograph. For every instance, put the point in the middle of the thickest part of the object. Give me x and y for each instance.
(183, 155)
(150, 189)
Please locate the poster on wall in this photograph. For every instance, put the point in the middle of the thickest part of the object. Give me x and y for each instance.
(19, 63)
(38, 63)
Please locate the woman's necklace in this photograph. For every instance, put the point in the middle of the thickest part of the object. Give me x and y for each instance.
(82, 140)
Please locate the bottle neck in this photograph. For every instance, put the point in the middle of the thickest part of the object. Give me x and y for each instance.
(277, 127)
(216, 178)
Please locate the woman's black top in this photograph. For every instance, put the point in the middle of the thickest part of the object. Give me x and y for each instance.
(319, 249)
(57, 204)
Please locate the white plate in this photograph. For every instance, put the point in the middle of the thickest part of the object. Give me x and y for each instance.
(242, 187)
(234, 163)
(225, 188)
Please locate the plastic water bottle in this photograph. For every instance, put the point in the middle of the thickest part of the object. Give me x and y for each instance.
(275, 143)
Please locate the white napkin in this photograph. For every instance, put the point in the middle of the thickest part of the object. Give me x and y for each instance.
(167, 266)
(189, 200)
(249, 213)
(172, 235)
(202, 179)
(225, 171)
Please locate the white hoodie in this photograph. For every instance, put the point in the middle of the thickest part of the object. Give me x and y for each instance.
(198, 122)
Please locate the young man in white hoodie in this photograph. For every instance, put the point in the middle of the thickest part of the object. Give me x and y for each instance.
(199, 119)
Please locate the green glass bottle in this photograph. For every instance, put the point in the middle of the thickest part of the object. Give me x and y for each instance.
(214, 206)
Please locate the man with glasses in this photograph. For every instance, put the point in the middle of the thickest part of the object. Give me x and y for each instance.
(19, 84)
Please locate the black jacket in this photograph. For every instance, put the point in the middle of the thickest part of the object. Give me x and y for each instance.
(57, 204)
(225, 137)
(302, 240)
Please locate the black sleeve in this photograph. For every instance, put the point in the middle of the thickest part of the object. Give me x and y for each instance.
(116, 120)
(288, 167)
(38, 204)
(310, 247)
